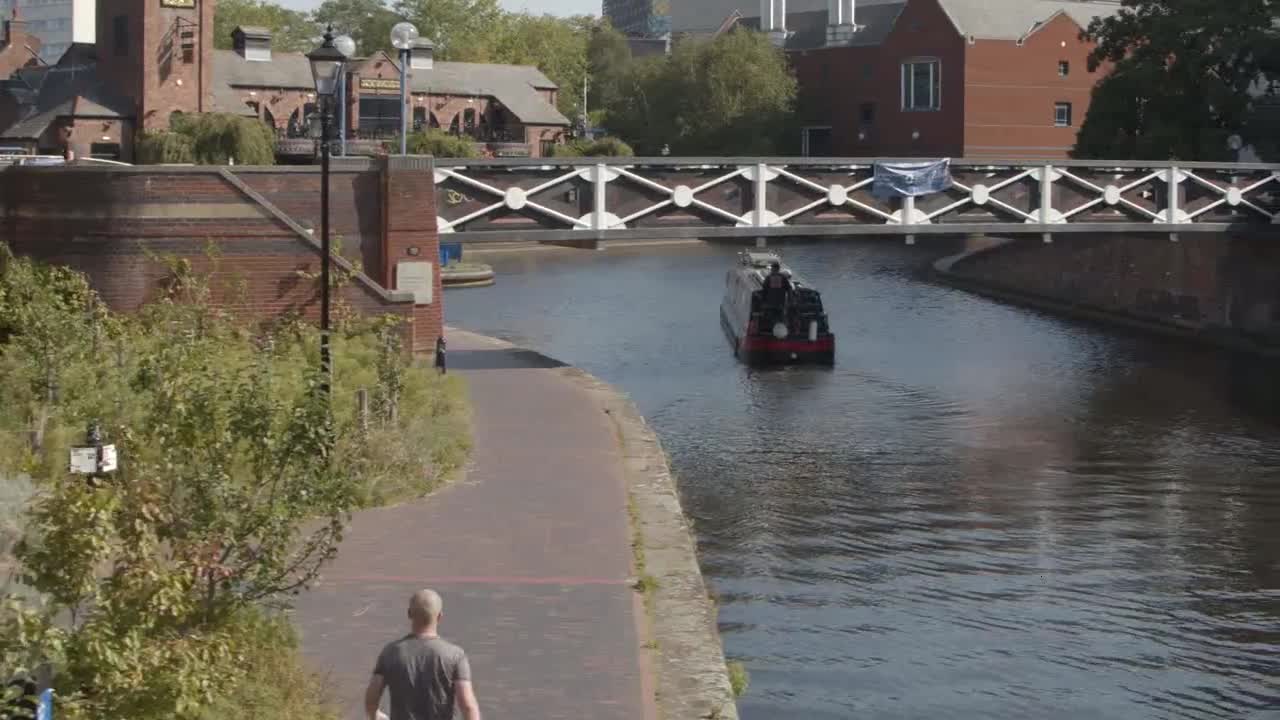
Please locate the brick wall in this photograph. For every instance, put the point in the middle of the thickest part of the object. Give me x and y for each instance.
(83, 133)
(1010, 92)
(836, 82)
(355, 205)
(409, 233)
(112, 223)
(1215, 283)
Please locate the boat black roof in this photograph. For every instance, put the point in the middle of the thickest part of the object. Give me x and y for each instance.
(758, 263)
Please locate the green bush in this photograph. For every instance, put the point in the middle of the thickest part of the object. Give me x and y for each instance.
(738, 678)
(163, 146)
(270, 681)
(237, 477)
(209, 139)
(441, 144)
(603, 147)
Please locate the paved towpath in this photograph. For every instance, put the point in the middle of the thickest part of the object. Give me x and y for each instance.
(531, 552)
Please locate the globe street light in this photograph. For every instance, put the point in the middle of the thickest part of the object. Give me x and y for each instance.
(402, 36)
(347, 47)
(327, 67)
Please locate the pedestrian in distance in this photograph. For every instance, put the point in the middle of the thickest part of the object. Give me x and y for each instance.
(440, 361)
(427, 675)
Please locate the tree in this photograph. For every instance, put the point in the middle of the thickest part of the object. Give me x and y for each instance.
(164, 146)
(460, 29)
(368, 22)
(702, 100)
(1187, 75)
(291, 31)
(556, 46)
(229, 494)
(643, 111)
(217, 138)
(608, 56)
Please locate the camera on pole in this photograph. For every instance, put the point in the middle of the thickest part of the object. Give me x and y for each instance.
(94, 459)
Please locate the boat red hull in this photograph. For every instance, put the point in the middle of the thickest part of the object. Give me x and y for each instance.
(767, 350)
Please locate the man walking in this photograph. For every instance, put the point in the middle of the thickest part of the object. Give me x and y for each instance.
(426, 674)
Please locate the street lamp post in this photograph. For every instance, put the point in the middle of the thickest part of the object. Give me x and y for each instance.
(347, 47)
(327, 64)
(402, 37)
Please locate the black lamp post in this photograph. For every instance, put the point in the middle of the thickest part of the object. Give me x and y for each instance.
(327, 67)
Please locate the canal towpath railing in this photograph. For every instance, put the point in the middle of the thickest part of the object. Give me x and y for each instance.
(559, 199)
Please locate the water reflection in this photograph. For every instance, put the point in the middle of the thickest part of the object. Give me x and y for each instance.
(979, 512)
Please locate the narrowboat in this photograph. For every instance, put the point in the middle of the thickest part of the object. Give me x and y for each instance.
(771, 316)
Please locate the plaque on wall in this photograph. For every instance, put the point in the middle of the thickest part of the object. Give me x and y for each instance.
(416, 277)
(178, 3)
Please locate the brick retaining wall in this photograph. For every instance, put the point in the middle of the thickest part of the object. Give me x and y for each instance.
(1225, 286)
(112, 222)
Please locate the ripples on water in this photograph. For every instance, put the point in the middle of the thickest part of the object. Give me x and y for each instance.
(980, 512)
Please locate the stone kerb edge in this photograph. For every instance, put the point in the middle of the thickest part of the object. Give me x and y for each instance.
(692, 677)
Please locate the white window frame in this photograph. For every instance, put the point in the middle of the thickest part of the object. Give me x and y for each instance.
(1061, 105)
(907, 88)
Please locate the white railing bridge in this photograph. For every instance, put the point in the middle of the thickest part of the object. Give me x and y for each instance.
(564, 199)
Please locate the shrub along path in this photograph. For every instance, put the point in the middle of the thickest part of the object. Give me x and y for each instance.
(531, 552)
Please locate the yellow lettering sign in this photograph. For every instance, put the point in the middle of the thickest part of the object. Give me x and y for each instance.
(379, 84)
(178, 3)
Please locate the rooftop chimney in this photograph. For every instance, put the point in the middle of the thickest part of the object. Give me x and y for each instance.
(773, 20)
(11, 26)
(423, 55)
(25, 46)
(252, 43)
(840, 21)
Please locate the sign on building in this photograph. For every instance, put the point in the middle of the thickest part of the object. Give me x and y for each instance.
(178, 3)
(379, 84)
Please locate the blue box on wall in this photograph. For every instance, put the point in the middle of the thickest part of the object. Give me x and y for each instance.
(450, 252)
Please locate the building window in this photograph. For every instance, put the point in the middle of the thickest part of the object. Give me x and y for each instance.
(120, 30)
(257, 51)
(1064, 68)
(921, 85)
(867, 113)
(105, 151)
(379, 116)
(546, 148)
(1062, 114)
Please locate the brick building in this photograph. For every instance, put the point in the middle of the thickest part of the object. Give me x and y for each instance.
(510, 109)
(940, 78)
(18, 47)
(155, 58)
(55, 23)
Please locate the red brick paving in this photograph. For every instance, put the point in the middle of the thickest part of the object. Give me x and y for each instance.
(530, 551)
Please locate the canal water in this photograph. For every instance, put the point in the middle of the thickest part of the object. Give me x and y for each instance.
(980, 512)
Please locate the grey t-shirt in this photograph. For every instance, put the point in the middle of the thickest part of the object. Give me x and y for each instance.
(421, 674)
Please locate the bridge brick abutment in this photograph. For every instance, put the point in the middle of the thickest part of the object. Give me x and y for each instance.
(1221, 289)
(254, 231)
